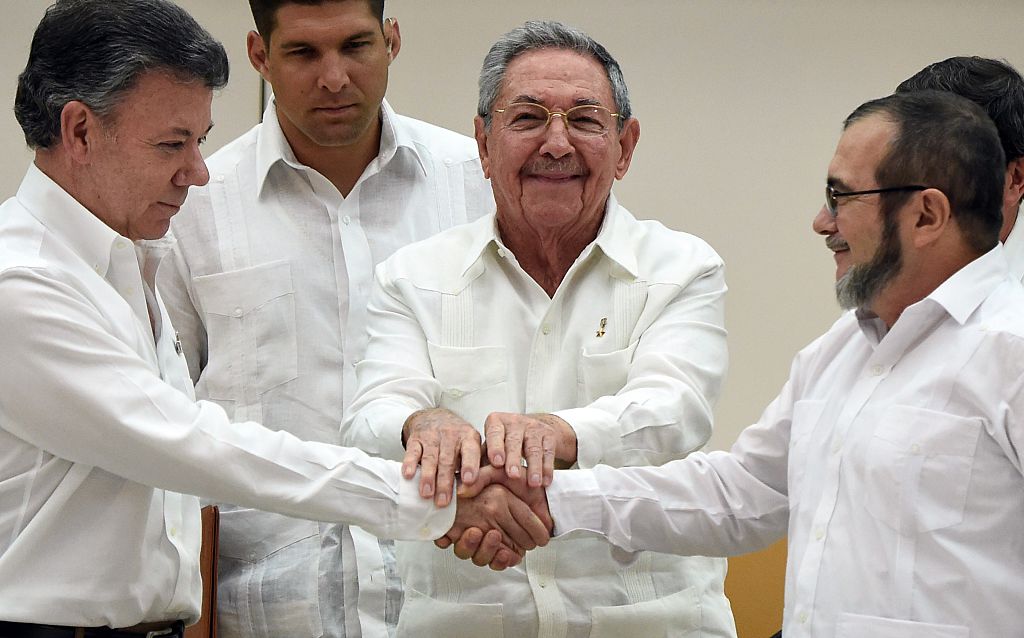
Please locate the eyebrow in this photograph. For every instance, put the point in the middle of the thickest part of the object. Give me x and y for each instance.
(582, 101)
(837, 183)
(299, 43)
(184, 132)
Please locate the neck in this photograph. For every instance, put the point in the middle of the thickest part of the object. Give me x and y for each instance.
(544, 254)
(917, 281)
(341, 165)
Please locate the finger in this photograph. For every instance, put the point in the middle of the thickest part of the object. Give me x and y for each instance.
(444, 542)
(505, 558)
(488, 548)
(413, 450)
(533, 443)
(550, 443)
(467, 544)
(530, 523)
(446, 464)
(428, 469)
(494, 432)
(470, 452)
(514, 449)
(511, 527)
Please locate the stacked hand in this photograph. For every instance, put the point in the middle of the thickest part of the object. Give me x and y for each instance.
(502, 509)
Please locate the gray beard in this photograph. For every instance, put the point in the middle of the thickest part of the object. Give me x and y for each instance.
(862, 283)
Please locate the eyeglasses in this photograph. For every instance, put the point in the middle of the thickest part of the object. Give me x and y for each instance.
(832, 195)
(586, 119)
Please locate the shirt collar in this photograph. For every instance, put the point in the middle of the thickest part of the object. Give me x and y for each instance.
(959, 296)
(71, 222)
(962, 293)
(1013, 247)
(613, 238)
(272, 147)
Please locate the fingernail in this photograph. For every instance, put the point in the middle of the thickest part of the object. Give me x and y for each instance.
(514, 471)
(468, 476)
(499, 460)
(535, 480)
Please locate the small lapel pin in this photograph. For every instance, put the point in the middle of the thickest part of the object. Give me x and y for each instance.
(177, 343)
(600, 329)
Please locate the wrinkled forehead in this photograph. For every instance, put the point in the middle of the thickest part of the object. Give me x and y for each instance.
(557, 73)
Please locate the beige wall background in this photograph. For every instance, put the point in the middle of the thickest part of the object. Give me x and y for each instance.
(740, 104)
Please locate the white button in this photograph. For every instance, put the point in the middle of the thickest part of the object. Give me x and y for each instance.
(346, 219)
(96, 267)
(252, 556)
(501, 252)
(120, 245)
(837, 446)
(425, 532)
(174, 532)
(219, 179)
(803, 617)
(877, 370)
(819, 534)
(455, 393)
(238, 312)
(915, 448)
(546, 328)
(448, 161)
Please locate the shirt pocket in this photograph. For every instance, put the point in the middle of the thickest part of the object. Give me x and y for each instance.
(675, 616)
(858, 626)
(250, 326)
(918, 467)
(602, 374)
(268, 575)
(474, 380)
(424, 616)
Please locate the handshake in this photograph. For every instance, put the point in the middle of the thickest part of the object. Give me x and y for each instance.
(501, 509)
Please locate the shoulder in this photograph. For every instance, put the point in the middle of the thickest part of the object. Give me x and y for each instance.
(664, 253)
(440, 259)
(438, 142)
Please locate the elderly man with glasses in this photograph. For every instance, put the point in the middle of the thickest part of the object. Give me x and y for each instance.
(566, 332)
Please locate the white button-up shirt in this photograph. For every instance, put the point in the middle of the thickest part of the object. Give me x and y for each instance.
(273, 270)
(892, 458)
(1013, 248)
(630, 351)
(97, 414)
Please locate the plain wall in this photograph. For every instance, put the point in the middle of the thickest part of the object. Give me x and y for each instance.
(740, 104)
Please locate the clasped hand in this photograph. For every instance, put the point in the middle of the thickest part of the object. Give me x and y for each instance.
(501, 509)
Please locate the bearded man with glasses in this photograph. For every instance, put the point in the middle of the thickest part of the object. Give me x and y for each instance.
(567, 333)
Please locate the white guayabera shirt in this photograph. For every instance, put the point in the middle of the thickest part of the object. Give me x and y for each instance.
(893, 460)
(630, 351)
(268, 290)
(97, 414)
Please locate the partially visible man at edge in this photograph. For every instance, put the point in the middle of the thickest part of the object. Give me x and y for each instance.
(269, 281)
(999, 89)
(100, 436)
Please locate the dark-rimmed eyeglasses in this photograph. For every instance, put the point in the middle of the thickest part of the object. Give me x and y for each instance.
(585, 119)
(832, 195)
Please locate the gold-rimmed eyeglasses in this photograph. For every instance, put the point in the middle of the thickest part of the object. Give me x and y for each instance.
(585, 119)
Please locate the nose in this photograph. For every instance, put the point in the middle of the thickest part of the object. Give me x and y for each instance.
(194, 172)
(333, 73)
(824, 223)
(556, 137)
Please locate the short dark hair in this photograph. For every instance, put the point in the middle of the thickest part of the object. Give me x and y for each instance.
(264, 12)
(94, 51)
(992, 84)
(536, 35)
(947, 142)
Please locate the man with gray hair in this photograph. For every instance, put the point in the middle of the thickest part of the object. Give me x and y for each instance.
(564, 330)
(100, 436)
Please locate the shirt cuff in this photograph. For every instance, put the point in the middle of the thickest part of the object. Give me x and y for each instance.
(575, 502)
(418, 517)
(598, 436)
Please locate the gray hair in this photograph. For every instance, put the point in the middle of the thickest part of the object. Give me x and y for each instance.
(535, 35)
(94, 51)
